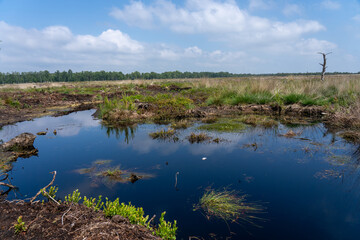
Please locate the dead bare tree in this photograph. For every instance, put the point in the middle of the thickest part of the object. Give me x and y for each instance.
(323, 64)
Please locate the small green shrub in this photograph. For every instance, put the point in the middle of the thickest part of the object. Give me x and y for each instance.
(52, 192)
(20, 225)
(74, 197)
(92, 203)
(166, 230)
(13, 103)
(135, 215)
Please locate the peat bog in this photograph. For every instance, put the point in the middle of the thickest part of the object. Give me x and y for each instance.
(226, 159)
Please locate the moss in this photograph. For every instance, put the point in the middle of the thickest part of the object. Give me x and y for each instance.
(224, 125)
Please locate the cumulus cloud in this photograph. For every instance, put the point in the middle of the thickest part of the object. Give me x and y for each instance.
(58, 45)
(331, 5)
(219, 20)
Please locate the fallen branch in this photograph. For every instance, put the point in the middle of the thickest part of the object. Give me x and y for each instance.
(7, 185)
(6, 176)
(43, 189)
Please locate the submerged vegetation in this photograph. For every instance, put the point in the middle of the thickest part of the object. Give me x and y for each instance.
(101, 171)
(228, 205)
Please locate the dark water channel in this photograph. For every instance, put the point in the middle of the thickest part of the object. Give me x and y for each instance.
(308, 184)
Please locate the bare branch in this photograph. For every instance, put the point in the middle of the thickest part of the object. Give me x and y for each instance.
(7, 185)
(52, 181)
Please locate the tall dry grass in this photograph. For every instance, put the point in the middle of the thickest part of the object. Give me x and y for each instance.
(308, 85)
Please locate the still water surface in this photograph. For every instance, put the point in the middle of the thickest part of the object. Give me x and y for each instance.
(309, 185)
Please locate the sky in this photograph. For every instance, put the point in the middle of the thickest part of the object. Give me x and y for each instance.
(237, 36)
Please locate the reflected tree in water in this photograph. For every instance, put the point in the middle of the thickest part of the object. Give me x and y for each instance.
(127, 131)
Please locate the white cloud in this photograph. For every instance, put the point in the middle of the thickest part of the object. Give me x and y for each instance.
(292, 9)
(312, 46)
(356, 18)
(331, 5)
(134, 14)
(58, 45)
(218, 20)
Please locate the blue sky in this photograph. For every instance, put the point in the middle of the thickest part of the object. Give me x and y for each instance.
(243, 36)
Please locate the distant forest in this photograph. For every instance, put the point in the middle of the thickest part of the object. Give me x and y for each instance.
(70, 76)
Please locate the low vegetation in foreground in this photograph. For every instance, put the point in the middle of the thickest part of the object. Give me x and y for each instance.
(135, 215)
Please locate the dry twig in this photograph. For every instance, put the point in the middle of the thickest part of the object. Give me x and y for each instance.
(52, 181)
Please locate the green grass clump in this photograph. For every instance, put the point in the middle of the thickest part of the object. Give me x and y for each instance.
(126, 103)
(227, 205)
(225, 125)
(170, 101)
(163, 134)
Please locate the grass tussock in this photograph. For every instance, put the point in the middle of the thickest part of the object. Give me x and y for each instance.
(163, 134)
(258, 120)
(183, 124)
(228, 205)
(211, 119)
(198, 138)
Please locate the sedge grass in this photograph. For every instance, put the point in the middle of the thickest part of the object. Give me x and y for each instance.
(228, 205)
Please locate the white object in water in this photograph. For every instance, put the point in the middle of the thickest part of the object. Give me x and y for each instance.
(204, 158)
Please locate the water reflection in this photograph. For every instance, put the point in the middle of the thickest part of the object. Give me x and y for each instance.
(65, 126)
(127, 131)
(256, 161)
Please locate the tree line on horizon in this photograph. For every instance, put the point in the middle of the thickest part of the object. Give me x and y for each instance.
(70, 76)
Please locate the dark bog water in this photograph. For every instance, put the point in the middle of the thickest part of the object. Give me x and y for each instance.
(309, 184)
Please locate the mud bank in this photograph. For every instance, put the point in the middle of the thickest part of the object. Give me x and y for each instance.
(75, 221)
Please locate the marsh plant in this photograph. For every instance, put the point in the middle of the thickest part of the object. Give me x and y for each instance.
(225, 125)
(20, 226)
(93, 203)
(136, 215)
(228, 205)
(165, 230)
(51, 193)
(198, 138)
(163, 134)
(73, 198)
(183, 124)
